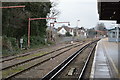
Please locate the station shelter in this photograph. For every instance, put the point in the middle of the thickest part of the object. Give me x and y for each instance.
(114, 34)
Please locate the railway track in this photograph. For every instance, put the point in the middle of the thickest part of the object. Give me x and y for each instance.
(58, 69)
(3, 58)
(38, 63)
(28, 53)
(13, 62)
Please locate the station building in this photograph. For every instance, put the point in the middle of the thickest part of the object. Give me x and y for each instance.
(114, 34)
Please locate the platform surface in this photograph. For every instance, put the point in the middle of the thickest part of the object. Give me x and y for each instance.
(106, 58)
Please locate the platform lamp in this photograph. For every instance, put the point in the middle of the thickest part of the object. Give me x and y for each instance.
(77, 22)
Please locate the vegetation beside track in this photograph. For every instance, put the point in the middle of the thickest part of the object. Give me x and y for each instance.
(15, 25)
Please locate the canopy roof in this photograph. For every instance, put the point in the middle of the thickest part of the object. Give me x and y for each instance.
(109, 10)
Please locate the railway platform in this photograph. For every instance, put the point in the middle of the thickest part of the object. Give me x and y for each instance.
(105, 63)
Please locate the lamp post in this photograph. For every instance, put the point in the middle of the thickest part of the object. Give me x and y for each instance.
(77, 22)
(31, 19)
(118, 33)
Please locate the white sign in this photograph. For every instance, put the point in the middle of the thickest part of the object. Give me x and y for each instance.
(21, 40)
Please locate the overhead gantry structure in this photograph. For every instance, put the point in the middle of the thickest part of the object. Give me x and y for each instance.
(109, 10)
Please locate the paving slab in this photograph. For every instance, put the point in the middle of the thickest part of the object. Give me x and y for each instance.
(105, 63)
(100, 64)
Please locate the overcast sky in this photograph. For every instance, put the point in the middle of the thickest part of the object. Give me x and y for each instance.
(83, 10)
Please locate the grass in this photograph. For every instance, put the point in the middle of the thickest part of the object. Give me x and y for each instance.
(8, 72)
(11, 71)
(33, 55)
(16, 69)
(17, 52)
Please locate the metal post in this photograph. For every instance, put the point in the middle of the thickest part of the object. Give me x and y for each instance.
(117, 33)
(22, 6)
(29, 33)
(77, 22)
(50, 32)
(30, 19)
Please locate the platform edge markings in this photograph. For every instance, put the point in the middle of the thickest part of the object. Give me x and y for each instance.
(107, 60)
(93, 64)
(115, 68)
(101, 59)
(119, 57)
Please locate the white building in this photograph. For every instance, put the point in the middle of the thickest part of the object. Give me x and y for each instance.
(80, 32)
(64, 29)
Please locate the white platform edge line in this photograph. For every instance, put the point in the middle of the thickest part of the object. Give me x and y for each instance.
(93, 65)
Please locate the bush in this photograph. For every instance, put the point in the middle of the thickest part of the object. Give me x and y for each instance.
(68, 34)
(9, 45)
(37, 41)
(34, 41)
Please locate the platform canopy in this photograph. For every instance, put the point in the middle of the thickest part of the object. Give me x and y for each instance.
(109, 10)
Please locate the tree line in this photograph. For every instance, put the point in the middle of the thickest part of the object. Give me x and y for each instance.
(100, 29)
(15, 22)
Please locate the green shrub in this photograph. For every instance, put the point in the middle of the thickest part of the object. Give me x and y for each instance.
(50, 42)
(68, 34)
(9, 45)
(37, 41)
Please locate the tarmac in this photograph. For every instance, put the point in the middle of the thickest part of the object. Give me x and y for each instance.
(105, 63)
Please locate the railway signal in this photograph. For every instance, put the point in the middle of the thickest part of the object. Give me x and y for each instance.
(59, 22)
(13, 6)
(31, 19)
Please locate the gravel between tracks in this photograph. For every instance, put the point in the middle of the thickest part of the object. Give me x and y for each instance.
(77, 64)
(41, 70)
(36, 53)
(36, 50)
(86, 75)
(33, 62)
